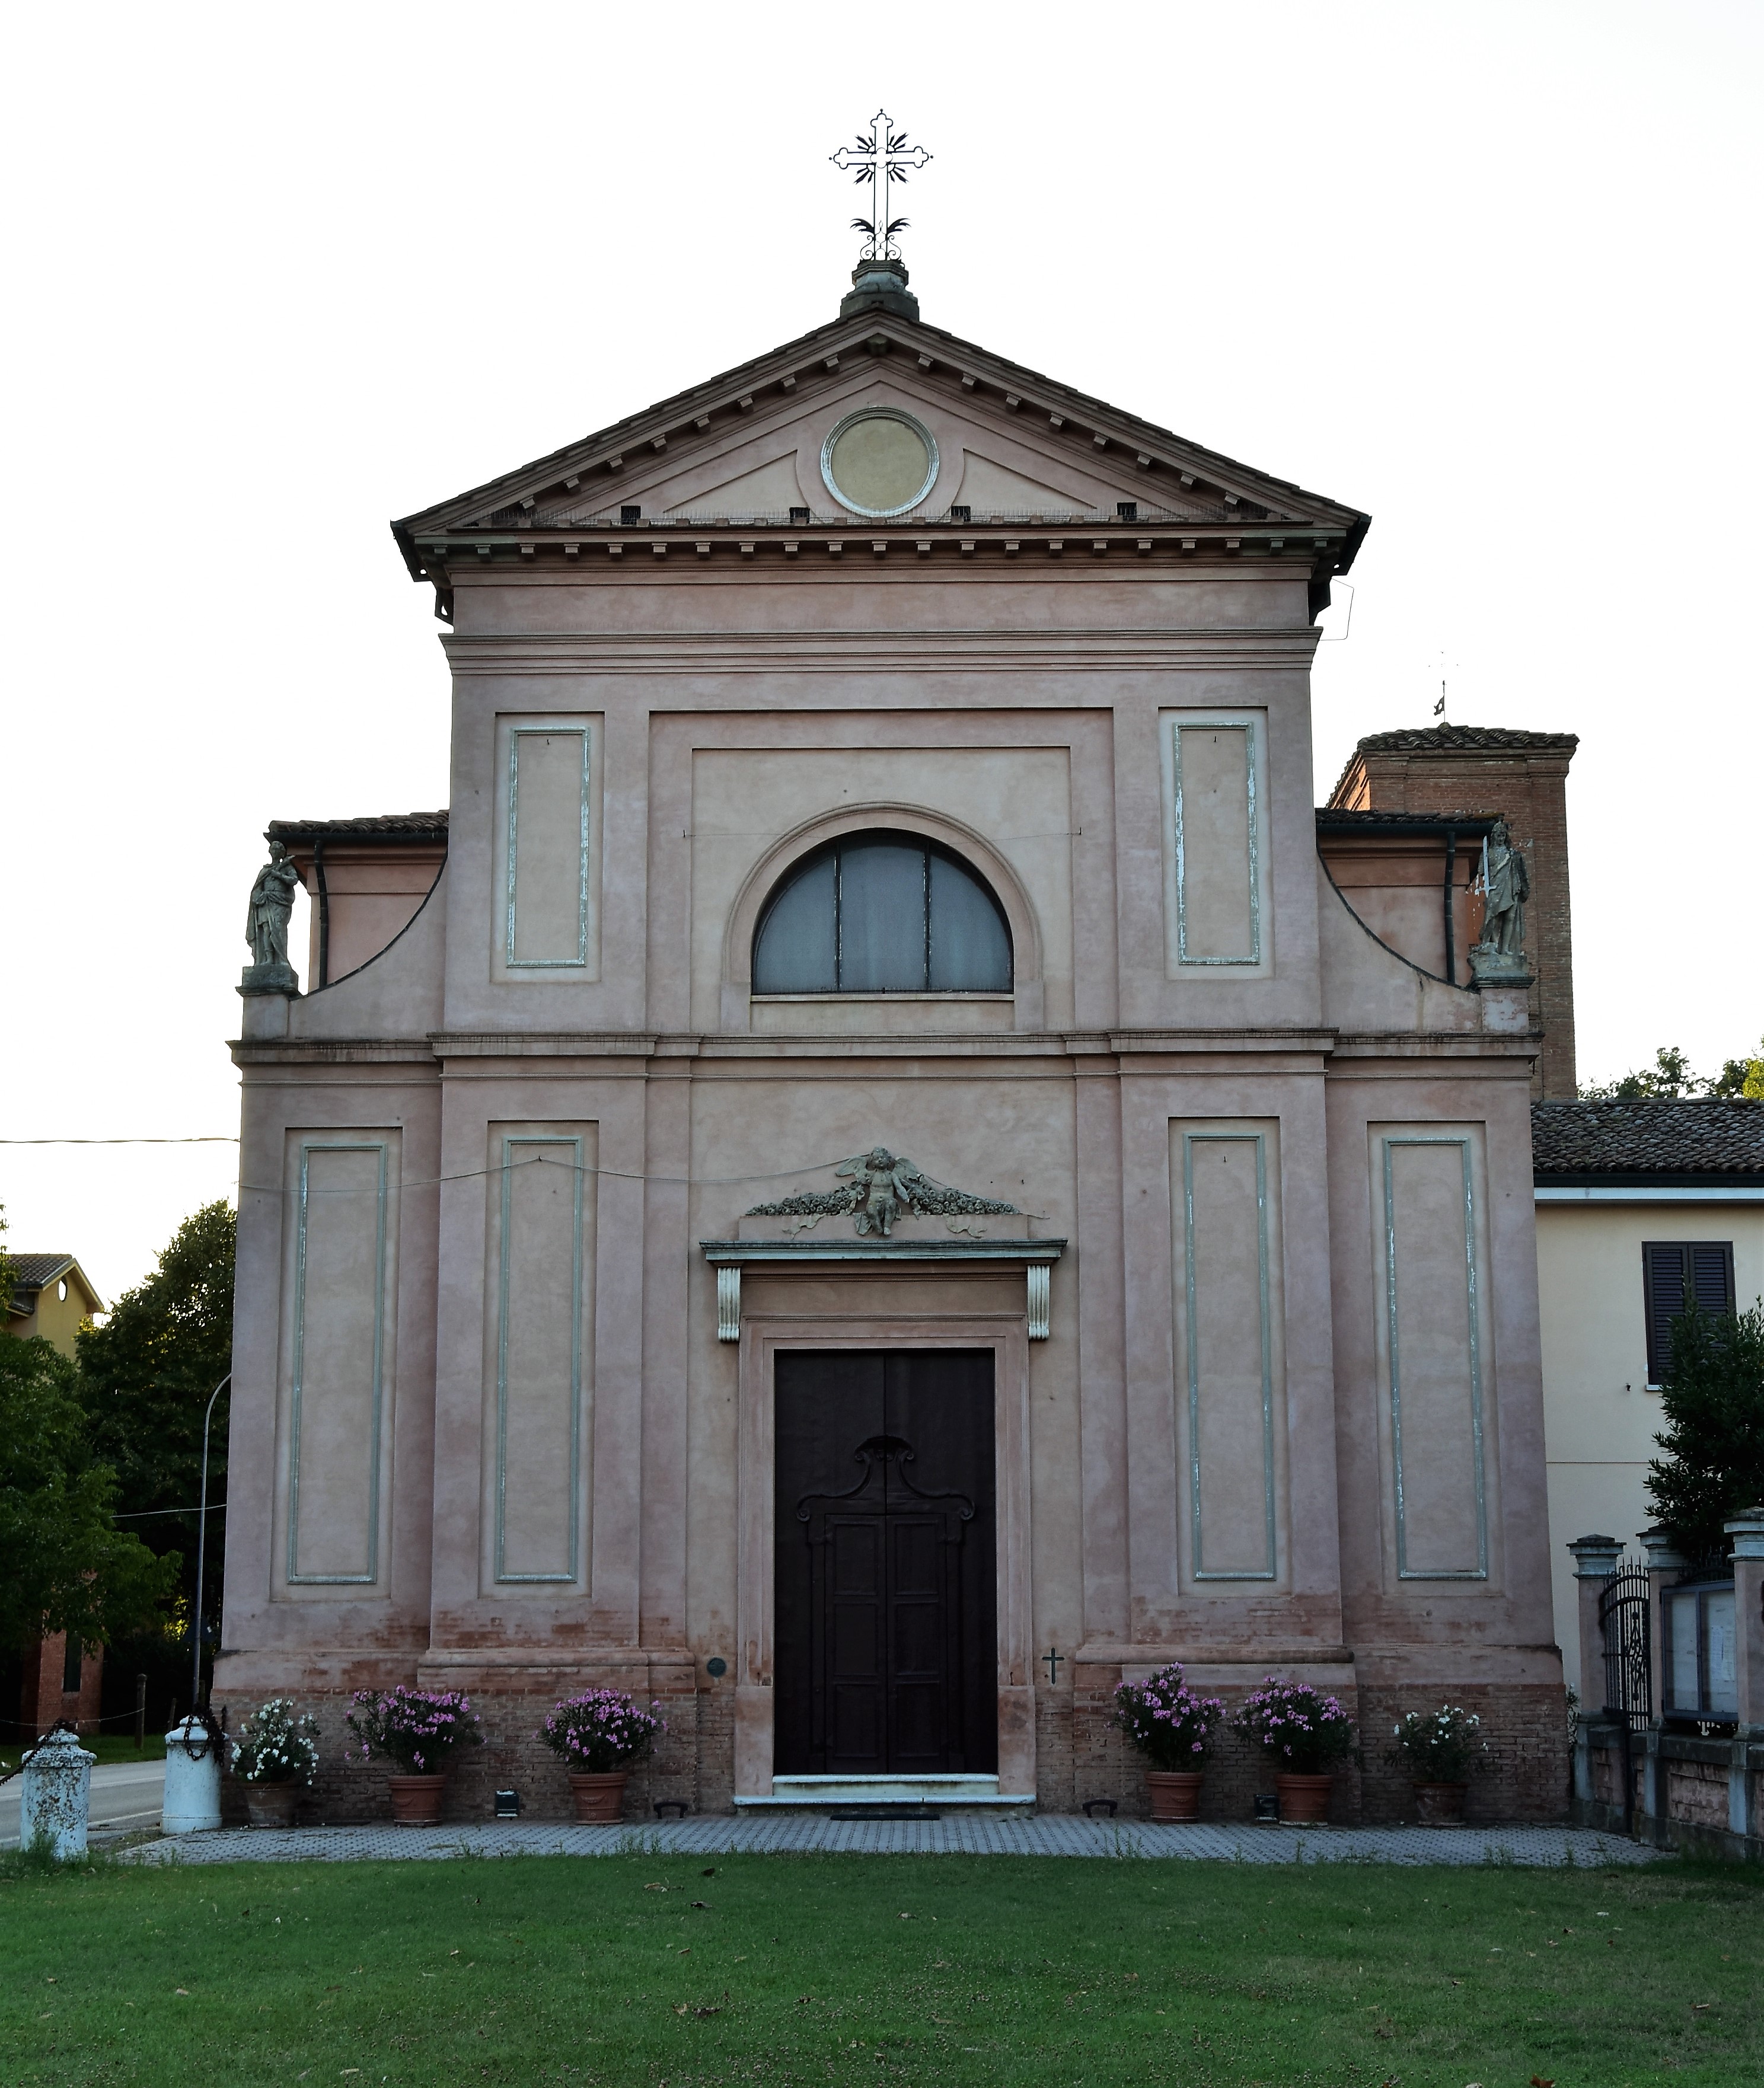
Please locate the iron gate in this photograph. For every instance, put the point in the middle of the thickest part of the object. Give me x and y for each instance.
(1626, 1629)
(1626, 1632)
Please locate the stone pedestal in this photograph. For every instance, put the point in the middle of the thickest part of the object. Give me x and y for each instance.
(1665, 1567)
(268, 978)
(1746, 1531)
(57, 1791)
(192, 1801)
(1595, 1560)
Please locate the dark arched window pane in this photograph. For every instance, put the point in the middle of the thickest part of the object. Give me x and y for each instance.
(971, 946)
(882, 913)
(881, 918)
(796, 952)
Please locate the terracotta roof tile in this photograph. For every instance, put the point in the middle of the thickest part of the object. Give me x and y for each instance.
(1700, 1138)
(374, 827)
(1468, 738)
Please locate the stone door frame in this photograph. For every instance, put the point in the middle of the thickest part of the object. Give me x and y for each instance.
(854, 1322)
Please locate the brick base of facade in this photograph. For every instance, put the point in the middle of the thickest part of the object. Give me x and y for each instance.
(1081, 1755)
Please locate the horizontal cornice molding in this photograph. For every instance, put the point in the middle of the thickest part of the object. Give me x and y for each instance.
(632, 1050)
(1076, 652)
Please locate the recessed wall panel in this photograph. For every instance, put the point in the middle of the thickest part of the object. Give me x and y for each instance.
(1433, 1357)
(540, 1257)
(1213, 820)
(337, 1362)
(547, 819)
(1226, 1353)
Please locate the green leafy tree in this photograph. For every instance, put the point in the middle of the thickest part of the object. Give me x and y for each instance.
(1670, 1079)
(1742, 1077)
(145, 1378)
(1712, 1395)
(64, 1565)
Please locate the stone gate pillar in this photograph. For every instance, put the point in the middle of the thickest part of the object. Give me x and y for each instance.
(1595, 1560)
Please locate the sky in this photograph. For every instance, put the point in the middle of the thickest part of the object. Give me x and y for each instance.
(1487, 271)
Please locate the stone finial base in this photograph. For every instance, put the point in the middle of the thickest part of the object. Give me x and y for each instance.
(268, 978)
(1489, 966)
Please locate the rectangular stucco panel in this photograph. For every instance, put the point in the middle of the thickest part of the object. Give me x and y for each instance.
(337, 1364)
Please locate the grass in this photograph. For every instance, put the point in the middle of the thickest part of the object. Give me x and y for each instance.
(821, 1970)
(108, 1748)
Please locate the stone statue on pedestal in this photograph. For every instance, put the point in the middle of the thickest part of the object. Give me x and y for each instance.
(265, 926)
(1498, 957)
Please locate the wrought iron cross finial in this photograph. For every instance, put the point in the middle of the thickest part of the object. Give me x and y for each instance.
(1053, 1662)
(884, 156)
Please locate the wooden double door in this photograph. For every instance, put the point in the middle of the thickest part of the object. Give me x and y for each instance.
(885, 1597)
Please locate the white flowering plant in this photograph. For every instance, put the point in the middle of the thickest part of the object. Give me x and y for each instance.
(1445, 1746)
(1164, 1718)
(276, 1744)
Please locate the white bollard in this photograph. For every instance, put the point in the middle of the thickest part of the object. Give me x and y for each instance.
(192, 1802)
(58, 1791)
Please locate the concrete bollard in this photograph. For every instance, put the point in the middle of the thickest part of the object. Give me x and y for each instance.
(57, 1795)
(192, 1802)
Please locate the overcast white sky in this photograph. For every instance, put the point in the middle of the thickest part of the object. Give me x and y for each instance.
(1488, 270)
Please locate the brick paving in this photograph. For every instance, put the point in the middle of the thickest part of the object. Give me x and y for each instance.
(959, 1834)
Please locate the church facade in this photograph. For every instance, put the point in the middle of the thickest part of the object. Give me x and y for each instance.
(882, 1167)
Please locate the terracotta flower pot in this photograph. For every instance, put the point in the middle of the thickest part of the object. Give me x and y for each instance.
(1440, 1804)
(599, 1795)
(417, 1799)
(271, 1804)
(1304, 1800)
(1176, 1793)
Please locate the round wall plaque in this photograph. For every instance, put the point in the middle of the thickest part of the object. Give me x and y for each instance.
(878, 461)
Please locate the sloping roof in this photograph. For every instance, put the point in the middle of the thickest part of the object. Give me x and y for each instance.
(1467, 826)
(676, 418)
(36, 1272)
(1468, 739)
(1648, 1140)
(374, 827)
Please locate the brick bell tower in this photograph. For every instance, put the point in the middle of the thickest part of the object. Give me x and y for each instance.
(1483, 770)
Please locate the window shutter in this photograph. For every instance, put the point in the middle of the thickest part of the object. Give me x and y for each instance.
(1662, 1268)
(1675, 1275)
(1711, 1276)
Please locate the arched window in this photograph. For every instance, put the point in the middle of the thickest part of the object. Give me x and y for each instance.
(882, 913)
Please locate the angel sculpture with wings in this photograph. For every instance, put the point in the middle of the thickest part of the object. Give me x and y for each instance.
(884, 1186)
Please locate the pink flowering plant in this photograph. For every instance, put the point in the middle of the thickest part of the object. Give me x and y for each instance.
(415, 1730)
(601, 1730)
(1302, 1729)
(1162, 1716)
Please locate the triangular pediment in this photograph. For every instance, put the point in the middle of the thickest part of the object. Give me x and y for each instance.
(745, 446)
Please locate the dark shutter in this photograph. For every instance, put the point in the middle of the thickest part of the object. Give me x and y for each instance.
(1675, 1274)
(73, 1659)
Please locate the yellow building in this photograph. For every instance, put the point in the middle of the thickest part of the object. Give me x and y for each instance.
(1640, 1206)
(51, 1296)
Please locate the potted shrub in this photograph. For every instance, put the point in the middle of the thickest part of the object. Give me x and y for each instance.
(598, 1735)
(1303, 1732)
(416, 1730)
(1441, 1750)
(275, 1756)
(1172, 1728)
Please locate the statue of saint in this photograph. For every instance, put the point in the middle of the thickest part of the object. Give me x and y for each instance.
(272, 901)
(1506, 886)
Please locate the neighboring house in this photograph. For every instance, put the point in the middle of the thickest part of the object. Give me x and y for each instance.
(1640, 1205)
(53, 1297)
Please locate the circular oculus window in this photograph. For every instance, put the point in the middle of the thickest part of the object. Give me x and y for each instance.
(878, 461)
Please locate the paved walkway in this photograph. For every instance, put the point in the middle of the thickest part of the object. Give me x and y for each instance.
(1046, 1835)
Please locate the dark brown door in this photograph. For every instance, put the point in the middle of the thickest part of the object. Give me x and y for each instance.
(885, 1624)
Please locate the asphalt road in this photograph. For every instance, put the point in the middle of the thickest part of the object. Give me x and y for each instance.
(124, 1794)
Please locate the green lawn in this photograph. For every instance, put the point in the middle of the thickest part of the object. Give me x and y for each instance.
(827, 1969)
(108, 1748)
